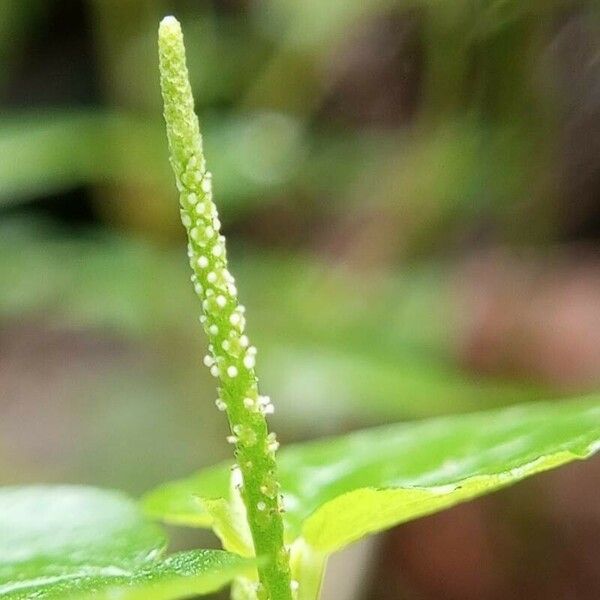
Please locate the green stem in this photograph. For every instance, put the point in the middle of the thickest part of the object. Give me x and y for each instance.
(231, 358)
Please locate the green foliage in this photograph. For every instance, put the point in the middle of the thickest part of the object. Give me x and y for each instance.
(73, 542)
(262, 75)
(391, 345)
(57, 150)
(341, 489)
(77, 542)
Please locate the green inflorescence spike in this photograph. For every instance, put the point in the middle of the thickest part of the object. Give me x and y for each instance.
(231, 358)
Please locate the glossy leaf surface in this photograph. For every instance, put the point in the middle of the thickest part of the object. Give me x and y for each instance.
(340, 489)
(77, 542)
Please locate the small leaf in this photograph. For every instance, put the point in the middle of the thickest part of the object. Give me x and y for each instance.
(224, 522)
(338, 490)
(183, 507)
(74, 542)
(230, 522)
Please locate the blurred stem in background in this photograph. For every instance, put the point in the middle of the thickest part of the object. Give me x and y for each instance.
(125, 53)
(448, 60)
(14, 24)
(124, 48)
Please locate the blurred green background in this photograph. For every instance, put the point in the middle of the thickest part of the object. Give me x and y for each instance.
(410, 191)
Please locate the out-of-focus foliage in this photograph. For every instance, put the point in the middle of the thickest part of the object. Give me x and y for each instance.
(478, 145)
(391, 341)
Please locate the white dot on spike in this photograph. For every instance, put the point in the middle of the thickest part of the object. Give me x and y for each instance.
(232, 371)
(202, 262)
(237, 479)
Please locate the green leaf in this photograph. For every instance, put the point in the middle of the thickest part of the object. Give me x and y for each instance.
(183, 507)
(338, 490)
(72, 541)
(81, 524)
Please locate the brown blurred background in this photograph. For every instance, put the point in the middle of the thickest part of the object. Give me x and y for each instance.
(411, 193)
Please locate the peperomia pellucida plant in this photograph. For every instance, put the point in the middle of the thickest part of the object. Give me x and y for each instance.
(279, 515)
